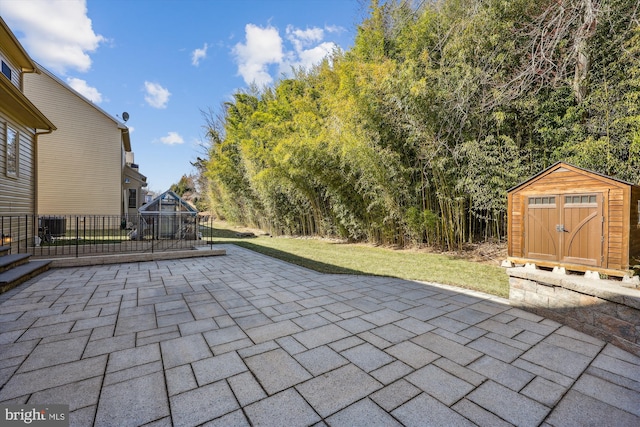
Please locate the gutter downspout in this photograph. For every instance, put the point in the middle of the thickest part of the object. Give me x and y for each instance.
(36, 141)
(124, 204)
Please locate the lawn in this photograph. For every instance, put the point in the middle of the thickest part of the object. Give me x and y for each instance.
(346, 258)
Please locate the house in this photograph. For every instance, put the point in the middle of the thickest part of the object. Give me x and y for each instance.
(574, 218)
(22, 129)
(86, 167)
(134, 187)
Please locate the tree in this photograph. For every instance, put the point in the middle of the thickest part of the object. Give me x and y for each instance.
(415, 134)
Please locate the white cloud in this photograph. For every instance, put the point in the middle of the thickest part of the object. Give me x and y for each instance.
(264, 47)
(308, 48)
(156, 95)
(307, 58)
(57, 34)
(334, 29)
(81, 86)
(199, 54)
(172, 138)
(301, 38)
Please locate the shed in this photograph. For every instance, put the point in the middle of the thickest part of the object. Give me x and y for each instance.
(571, 217)
(168, 216)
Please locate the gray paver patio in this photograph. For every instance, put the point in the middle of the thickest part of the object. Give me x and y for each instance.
(133, 402)
(277, 370)
(245, 339)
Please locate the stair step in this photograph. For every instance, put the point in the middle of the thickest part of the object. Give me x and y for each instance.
(4, 250)
(17, 275)
(12, 260)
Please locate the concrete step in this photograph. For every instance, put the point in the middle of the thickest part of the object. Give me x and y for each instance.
(12, 260)
(11, 278)
(4, 250)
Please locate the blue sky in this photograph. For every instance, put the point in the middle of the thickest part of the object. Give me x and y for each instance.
(166, 61)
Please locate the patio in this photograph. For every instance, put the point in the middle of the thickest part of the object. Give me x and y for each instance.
(245, 339)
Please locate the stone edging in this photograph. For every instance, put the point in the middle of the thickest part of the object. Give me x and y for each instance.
(601, 308)
(133, 257)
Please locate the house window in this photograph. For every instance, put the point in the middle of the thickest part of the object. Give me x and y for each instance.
(133, 198)
(11, 150)
(6, 70)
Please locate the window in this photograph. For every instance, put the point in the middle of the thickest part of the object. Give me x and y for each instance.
(11, 149)
(133, 198)
(582, 199)
(546, 200)
(6, 70)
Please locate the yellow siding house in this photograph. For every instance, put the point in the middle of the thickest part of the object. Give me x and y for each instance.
(81, 166)
(22, 125)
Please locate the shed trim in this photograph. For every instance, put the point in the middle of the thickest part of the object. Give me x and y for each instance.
(556, 166)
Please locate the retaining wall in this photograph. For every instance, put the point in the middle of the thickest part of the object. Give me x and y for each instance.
(601, 308)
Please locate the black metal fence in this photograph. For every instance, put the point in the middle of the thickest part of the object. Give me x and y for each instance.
(47, 236)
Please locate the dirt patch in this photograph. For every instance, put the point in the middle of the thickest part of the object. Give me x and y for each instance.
(488, 253)
(485, 252)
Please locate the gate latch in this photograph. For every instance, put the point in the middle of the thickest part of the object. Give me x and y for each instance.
(560, 227)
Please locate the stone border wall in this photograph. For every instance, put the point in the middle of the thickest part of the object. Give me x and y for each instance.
(601, 308)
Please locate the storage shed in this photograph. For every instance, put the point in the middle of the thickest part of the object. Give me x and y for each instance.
(574, 218)
(168, 216)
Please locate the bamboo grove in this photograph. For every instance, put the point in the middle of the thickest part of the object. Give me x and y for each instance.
(414, 134)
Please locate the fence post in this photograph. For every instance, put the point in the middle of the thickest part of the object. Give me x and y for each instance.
(26, 235)
(77, 236)
(211, 232)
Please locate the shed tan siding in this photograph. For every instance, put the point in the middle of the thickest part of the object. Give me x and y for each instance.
(517, 228)
(80, 164)
(16, 193)
(614, 233)
(566, 182)
(634, 227)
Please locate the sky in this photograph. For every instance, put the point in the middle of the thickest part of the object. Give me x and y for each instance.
(166, 62)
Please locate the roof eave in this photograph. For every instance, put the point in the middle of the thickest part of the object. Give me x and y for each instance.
(14, 49)
(17, 104)
(126, 137)
(133, 173)
(560, 164)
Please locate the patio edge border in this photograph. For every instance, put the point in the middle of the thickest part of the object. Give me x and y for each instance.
(133, 257)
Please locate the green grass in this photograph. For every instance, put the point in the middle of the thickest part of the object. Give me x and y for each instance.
(345, 258)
